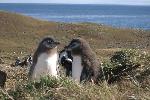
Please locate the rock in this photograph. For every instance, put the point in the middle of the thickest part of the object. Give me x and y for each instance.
(3, 77)
(1, 61)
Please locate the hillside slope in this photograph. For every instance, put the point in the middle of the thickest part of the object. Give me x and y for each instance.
(20, 33)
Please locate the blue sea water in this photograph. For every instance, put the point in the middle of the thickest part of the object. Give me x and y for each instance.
(123, 16)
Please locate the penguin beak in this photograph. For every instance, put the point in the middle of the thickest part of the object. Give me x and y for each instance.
(56, 43)
(72, 46)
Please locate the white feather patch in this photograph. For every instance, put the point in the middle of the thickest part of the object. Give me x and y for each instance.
(46, 65)
(76, 68)
(69, 60)
(63, 54)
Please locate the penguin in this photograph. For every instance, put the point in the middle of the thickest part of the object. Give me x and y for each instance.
(85, 65)
(65, 59)
(45, 59)
(27, 61)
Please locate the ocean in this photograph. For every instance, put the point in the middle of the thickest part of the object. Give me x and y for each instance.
(121, 16)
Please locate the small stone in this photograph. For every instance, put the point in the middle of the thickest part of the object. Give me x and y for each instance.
(1, 61)
(132, 97)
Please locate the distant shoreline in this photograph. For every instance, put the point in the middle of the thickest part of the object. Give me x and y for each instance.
(124, 28)
(119, 16)
(75, 4)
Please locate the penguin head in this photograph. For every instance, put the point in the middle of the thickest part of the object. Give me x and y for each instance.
(49, 43)
(75, 46)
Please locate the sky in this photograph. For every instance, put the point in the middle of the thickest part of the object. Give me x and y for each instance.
(124, 2)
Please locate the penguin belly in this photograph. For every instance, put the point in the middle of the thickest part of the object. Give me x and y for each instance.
(46, 65)
(76, 68)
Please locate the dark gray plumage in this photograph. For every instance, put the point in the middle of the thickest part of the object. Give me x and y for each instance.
(91, 66)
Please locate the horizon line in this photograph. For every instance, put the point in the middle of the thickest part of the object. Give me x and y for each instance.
(75, 3)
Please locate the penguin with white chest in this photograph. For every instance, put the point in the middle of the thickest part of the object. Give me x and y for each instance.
(45, 59)
(85, 65)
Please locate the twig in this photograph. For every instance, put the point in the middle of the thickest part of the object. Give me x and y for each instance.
(5, 92)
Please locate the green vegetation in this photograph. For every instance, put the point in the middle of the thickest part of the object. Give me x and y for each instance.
(116, 48)
(131, 63)
(135, 87)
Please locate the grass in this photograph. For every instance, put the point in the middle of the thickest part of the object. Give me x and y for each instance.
(63, 88)
(20, 35)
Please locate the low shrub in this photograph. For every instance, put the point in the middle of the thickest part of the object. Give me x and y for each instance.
(123, 63)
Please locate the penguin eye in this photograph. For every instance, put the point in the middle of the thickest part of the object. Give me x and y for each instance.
(49, 41)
